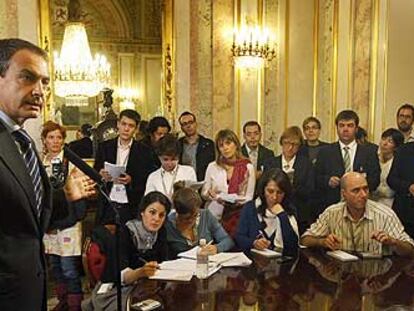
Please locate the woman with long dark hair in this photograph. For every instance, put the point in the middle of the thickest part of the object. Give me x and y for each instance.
(269, 221)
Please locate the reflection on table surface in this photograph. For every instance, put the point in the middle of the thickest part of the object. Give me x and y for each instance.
(313, 281)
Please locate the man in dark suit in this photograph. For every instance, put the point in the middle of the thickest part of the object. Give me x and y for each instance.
(252, 148)
(195, 149)
(124, 150)
(401, 180)
(344, 156)
(26, 196)
(83, 146)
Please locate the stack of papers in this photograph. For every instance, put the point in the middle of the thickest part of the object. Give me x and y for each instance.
(224, 259)
(342, 256)
(266, 253)
(181, 269)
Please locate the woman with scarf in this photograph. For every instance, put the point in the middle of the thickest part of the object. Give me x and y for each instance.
(229, 181)
(269, 221)
(143, 245)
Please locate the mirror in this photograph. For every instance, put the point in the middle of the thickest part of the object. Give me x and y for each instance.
(128, 33)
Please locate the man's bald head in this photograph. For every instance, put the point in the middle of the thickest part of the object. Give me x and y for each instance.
(354, 189)
(351, 178)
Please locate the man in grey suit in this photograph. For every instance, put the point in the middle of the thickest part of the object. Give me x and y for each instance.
(26, 196)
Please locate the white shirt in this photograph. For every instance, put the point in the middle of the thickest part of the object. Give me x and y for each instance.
(122, 153)
(273, 225)
(287, 166)
(352, 151)
(163, 181)
(384, 194)
(253, 158)
(216, 179)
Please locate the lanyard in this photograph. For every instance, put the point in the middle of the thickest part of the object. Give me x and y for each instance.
(169, 192)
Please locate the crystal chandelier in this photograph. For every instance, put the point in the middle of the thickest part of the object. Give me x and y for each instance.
(77, 74)
(127, 97)
(252, 47)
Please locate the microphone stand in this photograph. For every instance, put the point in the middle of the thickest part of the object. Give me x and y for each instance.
(102, 190)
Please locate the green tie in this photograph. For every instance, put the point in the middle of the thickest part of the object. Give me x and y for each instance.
(347, 160)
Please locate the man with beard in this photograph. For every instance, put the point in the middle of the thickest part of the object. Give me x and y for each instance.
(196, 150)
(405, 119)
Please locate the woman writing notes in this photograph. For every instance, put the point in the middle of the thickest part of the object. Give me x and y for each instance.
(189, 224)
(269, 221)
(143, 245)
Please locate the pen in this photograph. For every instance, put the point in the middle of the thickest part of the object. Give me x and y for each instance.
(142, 260)
(209, 243)
(260, 235)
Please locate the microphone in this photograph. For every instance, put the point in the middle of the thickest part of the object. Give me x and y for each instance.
(80, 164)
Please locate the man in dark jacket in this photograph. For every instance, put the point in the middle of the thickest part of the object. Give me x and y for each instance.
(195, 149)
(83, 146)
(252, 148)
(25, 192)
(346, 155)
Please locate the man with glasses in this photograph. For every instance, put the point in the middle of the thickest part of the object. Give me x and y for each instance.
(405, 119)
(312, 130)
(195, 149)
(344, 156)
(358, 224)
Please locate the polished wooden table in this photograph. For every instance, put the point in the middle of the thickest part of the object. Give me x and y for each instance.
(313, 281)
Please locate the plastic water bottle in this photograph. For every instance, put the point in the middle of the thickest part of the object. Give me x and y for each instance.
(202, 261)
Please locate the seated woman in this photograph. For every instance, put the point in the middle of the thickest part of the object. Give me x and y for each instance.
(163, 179)
(269, 221)
(188, 224)
(143, 244)
(231, 173)
(391, 139)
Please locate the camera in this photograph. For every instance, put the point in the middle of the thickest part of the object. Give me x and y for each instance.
(58, 174)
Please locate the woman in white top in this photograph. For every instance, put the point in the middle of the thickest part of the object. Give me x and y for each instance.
(63, 240)
(391, 139)
(163, 179)
(231, 174)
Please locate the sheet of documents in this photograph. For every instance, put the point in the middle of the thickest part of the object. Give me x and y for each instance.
(231, 197)
(181, 269)
(266, 253)
(195, 185)
(114, 170)
(225, 259)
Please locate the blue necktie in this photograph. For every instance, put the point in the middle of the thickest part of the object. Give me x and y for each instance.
(32, 164)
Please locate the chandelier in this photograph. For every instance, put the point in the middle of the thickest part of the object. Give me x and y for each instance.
(252, 47)
(78, 75)
(127, 97)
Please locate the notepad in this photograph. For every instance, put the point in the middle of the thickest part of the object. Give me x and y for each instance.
(231, 197)
(342, 256)
(172, 275)
(266, 253)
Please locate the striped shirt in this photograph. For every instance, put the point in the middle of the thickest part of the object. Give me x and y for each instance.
(356, 235)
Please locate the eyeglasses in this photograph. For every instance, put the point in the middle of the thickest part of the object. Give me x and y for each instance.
(308, 128)
(290, 143)
(184, 124)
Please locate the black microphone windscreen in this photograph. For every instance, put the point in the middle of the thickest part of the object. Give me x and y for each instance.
(82, 165)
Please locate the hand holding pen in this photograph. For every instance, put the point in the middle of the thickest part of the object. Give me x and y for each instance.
(148, 269)
(261, 242)
(210, 248)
